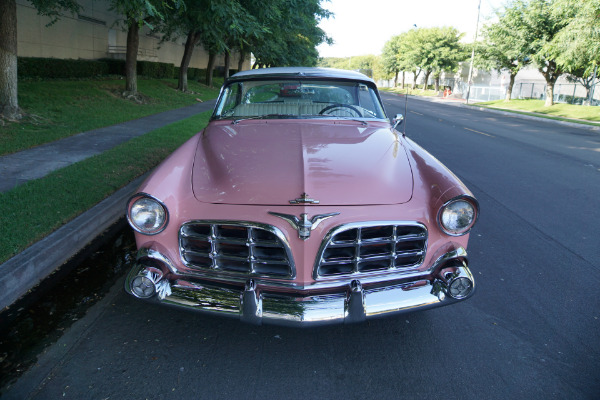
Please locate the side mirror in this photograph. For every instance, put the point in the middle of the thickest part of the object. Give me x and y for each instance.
(397, 120)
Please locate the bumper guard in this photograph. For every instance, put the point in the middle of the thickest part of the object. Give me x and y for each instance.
(354, 303)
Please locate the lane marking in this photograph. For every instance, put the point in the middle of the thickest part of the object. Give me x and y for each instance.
(481, 133)
(414, 112)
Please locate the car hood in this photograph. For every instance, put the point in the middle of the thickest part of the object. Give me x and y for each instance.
(270, 162)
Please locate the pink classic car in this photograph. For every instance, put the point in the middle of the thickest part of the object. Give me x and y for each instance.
(300, 204)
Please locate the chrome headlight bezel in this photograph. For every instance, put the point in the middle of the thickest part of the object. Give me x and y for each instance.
(471, 203)
(158, 207)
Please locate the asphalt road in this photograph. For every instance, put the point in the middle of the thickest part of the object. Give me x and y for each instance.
(531, 332)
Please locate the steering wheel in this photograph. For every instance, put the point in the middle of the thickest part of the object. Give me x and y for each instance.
(340, 105)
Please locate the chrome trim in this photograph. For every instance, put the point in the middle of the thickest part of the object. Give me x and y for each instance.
(327, 241)
(461, 274)
(354, 303)
(145, 252)
(139, 271)
(216, 273)
(335, 283)
(142, 287)
(397, 120)
(128, 212)
(354, 307)
(471, 200)
(303, 225)
(304, 199)
(443, 283)
(250, 304)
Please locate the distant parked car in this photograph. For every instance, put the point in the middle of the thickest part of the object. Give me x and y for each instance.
(300, 204)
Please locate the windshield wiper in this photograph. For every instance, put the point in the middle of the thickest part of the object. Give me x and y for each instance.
(266, 116)
(362, 121)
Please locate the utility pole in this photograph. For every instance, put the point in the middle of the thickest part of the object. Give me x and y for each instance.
(473, 53)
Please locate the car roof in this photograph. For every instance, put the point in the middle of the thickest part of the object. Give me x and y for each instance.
(300, 72)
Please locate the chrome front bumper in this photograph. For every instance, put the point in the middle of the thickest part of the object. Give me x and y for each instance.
(452, 282)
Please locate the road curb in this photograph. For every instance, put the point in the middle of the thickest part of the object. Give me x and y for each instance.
(28, 268)
(28, 385)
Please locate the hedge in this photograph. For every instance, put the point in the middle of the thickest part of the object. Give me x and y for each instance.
(155, 69)
(34, 67)
(193, 74)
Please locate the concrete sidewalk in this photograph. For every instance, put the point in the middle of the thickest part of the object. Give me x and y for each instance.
(27, 269)
(37, 162)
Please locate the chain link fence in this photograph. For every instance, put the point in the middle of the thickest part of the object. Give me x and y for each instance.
(570, 93)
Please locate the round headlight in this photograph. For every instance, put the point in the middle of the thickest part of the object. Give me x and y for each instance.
(458, 216)
(147, 215)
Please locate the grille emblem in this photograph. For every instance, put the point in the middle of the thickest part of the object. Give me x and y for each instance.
(304, 199)
(304, 225)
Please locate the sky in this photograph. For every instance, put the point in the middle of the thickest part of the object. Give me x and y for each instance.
(361, 27)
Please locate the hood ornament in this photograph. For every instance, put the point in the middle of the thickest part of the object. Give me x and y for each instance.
(304, 199)
(304, 225)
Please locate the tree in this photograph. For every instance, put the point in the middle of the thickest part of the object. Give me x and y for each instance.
(577, 45)
(217, 25)
(390, 58)
(537, 23)
(379, 72)
(426, 45)
(189, 24)
(294, 36)
(542, 27)
(228, 23)
(410, 53)
(267, 13)
(138, 13)
(583, 76)
(502, 48)
(9, 105)
(445, 51)
(369, 65)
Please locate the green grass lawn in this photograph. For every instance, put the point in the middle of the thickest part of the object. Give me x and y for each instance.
(60, 108)
(557, 111)
(416, 92)
(33, 210)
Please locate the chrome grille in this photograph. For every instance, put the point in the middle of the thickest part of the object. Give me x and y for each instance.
(363, 248)
(236, 248)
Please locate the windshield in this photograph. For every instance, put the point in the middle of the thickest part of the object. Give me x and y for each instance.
(298, 99)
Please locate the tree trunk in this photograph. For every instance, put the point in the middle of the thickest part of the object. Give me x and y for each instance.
(549, 94)
(511, 83)
(551, 74)
(227, 62)
(133, 42)
(9, 105)
(403, 79)
(437, 83)
(416, 76)
(210, 68)
(192, 39)
(588, 91)
(427, 73)
(241, 60)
